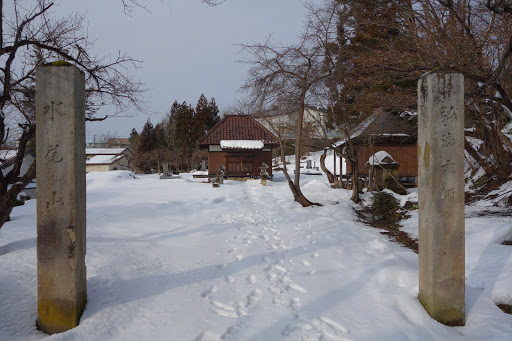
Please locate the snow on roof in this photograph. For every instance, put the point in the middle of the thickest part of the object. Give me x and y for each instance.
(379, 157)
(242, 144)
(104, 159)
(104, 151)
(358, 130)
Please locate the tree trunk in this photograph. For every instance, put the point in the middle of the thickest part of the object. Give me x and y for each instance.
(355, 179)
(296, 192)
(298, 142)
(8, 197)
(327, 172)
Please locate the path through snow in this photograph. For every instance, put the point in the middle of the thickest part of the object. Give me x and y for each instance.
(180, 260)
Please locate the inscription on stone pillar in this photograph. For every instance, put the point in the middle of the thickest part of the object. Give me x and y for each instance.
(60, 136)
(441, 196)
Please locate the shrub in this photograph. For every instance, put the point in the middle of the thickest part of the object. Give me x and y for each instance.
(386, 208)
(21, 200)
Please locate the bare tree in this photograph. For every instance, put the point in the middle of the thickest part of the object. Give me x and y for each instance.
(292, 75)
(130, 5)
(31, 36)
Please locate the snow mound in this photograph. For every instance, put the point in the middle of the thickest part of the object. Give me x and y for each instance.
(316, 185)
(109, 177)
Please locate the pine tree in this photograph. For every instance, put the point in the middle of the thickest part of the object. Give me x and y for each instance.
(134, 140)
(206, 116)
(213, 117)
(147, 141)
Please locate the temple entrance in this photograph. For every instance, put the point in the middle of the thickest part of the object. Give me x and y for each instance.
(240, 164)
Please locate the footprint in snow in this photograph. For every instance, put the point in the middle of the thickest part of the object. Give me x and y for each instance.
(321, 328)
(280, 268)
(296, 287)
(251, 279)
(218, 200)
(333, 324)
(295, 303)
(254, 297)
(208, 336)
(223, 309)
(207, 293)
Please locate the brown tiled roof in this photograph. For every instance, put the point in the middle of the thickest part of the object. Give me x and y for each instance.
(238, 127)
(388, 123)
(385, 127)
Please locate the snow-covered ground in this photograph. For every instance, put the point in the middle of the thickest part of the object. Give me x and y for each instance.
(180, 260)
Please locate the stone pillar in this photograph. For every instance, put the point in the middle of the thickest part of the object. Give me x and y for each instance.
(441, 196)
(60, 136)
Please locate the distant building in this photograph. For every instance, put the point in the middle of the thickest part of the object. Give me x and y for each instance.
(284, 122)
(119, 142)
(107, 159)
(241, 144)
(113, 142)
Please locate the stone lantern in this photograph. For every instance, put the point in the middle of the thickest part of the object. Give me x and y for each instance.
(263, 174)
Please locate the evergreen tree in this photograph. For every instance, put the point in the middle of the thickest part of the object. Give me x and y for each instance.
(206, 116)
(147, 141)
(133, 134)
(213, 118)
(371, 34)
(134, 140)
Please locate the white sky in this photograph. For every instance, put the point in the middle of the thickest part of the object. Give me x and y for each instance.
(187, 47)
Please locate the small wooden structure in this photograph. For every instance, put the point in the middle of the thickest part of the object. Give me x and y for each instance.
(240, 143)
(385, 131)
(383, 172)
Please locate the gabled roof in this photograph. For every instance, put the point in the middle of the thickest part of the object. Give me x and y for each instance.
(107, 151)
(383, 126)
(104, 159)
(238, 127)
(118, 141)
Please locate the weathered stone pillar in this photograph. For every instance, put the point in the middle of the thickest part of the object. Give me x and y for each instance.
(441, 196)
(60, 136)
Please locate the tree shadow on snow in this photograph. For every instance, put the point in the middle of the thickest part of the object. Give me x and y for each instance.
(24, 244)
